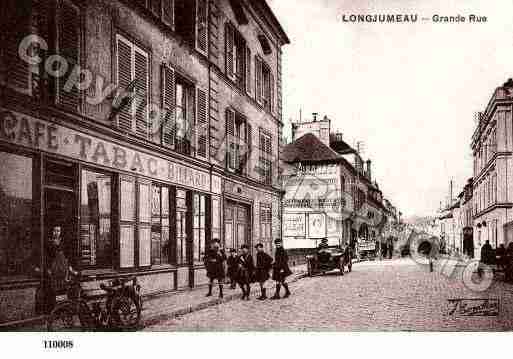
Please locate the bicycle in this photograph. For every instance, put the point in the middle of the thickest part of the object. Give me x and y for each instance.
(121, 310)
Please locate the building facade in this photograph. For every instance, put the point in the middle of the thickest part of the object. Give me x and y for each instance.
(328, 192)
(144, 129)
(492, 146)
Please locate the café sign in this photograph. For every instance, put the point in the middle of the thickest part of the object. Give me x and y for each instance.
(23, 130)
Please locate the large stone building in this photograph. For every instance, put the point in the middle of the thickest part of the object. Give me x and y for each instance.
(144, 128)
(328, 192)
(492, 146)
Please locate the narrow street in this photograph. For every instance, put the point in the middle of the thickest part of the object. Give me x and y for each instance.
(389, 295)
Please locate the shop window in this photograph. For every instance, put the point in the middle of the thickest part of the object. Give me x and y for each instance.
(181, 227)
(160, 225)
(95, 246)
(216, 218)
(199, 211)
(16, 244)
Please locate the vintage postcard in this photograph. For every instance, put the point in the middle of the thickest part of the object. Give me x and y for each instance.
(255, 165)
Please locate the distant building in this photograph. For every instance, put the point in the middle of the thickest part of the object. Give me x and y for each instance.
(492, 146)
(328, 192)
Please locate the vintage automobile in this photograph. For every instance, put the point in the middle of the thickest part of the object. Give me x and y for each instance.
(327, 259)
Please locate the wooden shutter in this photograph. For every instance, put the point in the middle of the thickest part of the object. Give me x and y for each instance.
(230, 135)
(142, 87)
(168, 12)
(249, 145)
(124, 77)
(229, 43)
(202, 123)
(271, 91)
(168, 104)
(258, 79)
(15, 25)
(248, 70)
(144, 223)
(68, 42)
(201, 26)
(127, 221)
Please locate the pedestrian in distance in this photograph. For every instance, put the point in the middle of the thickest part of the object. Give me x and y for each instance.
(215, 262)
(281, 270)
(263, 266)
(232, 268)
(245, 271)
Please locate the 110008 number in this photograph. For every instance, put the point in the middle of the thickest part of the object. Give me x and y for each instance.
(58, 344)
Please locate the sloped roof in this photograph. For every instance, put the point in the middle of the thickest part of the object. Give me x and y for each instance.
(341, 146)
(308, 148)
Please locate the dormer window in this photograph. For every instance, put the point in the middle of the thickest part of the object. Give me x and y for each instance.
(266, 46)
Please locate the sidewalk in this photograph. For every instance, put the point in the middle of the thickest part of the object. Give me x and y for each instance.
(161, 307)
(167, 306)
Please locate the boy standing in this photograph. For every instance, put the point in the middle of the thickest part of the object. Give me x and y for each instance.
(263, 266)
(245, 271)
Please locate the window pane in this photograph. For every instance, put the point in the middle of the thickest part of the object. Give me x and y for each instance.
(15, 214)
(215, 214)
(95, 220)
(144, 203)
(144, 246)
(127, 200)
(126, 242)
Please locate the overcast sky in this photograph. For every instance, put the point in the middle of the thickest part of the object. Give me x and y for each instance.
(409, 91)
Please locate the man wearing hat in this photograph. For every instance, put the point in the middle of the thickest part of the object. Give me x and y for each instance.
(215, 265)
(245, 271)
(281, 269)
(263, 266)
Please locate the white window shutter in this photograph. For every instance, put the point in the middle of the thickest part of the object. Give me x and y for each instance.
(202, 26)
(168, 105)
(202, 123)
(142, 87)
(124, 76)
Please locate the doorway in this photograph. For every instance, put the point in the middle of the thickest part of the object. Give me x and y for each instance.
(59, 209)
(237, 225)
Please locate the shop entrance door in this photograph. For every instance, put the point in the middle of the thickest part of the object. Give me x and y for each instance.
(236, 225)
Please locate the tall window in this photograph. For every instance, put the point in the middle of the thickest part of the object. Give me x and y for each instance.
(264, 80)
(95, 246)
(178, 128)
(198, 227)
(191, 23)
(16, 244)
(265, 160)
(236, 57)
(133, 67)
(162, 9)
(160, 250)
(238, 142)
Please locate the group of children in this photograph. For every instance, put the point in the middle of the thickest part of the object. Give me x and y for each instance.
(242, 270)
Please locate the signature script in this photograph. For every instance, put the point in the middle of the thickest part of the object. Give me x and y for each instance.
(474, 307)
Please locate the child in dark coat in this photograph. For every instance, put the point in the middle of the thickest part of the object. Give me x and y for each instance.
(281, 270)
(215, 265)
(232, 268)
(245, 268)
(263, 266)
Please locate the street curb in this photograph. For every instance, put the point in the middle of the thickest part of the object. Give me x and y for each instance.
(194, 308)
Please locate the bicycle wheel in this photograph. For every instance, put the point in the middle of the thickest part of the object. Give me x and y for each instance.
(64, 318)
(125, 312)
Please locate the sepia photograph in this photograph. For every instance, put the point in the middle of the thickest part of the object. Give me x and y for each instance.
(255, 166)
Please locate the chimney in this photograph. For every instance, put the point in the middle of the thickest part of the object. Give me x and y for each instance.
(314, 115)
(369, 173)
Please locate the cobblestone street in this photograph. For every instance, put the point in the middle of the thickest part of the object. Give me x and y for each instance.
(388, 295)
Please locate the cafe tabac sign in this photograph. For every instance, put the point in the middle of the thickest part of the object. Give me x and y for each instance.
(37, 134)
